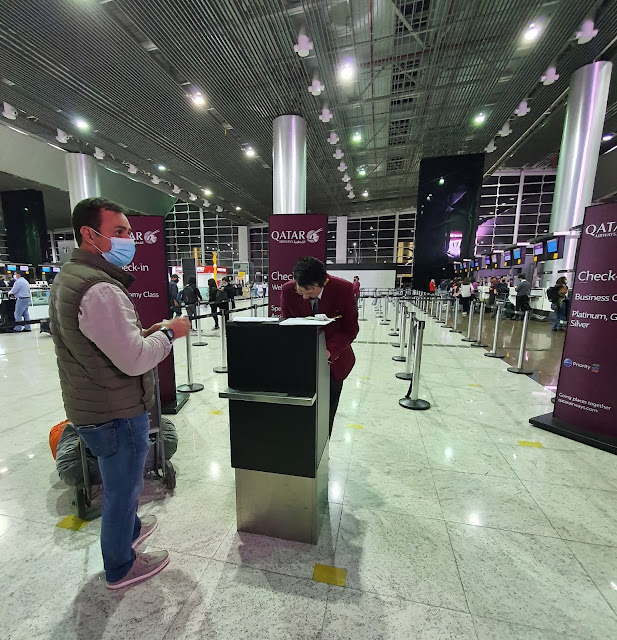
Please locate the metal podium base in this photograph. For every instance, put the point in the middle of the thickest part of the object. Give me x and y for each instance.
(172, 408)
(399, 358)
(417, 405)
(403, 375)
(282, 506)
(190, 388)
(525, 372)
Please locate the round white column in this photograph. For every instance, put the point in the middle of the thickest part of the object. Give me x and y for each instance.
(289, 162)
(83, 177)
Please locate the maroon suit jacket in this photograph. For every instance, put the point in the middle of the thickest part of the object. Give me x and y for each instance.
(337, 300)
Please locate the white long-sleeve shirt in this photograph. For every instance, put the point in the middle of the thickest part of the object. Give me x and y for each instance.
(107, 318)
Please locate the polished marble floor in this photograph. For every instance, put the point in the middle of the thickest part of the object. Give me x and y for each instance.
(447, 526)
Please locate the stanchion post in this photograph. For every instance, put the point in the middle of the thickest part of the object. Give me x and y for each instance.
(363, 319)
(411, 400)
(521, 352)
(478, 342)
(190, 386)
(455, 320)
(385, 313)
(447, 313)
(493, 352)
(472, 306)
(401, 355)
(200, 342)
(407, 374)
(223, 367)
(397, 311)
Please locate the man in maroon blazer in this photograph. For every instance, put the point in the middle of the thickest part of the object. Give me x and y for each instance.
(315, 292)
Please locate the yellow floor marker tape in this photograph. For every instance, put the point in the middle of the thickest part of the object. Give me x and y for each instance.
(478, 386)
(72, 522)
(330, 575)
(356, 426)
(216, 412)
(364, 379)
(527, 443)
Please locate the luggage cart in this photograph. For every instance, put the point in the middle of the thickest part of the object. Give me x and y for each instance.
(156, 464)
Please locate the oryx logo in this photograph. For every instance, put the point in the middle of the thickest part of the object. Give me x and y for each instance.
(313, 236)
(150, 237)
(604, 230)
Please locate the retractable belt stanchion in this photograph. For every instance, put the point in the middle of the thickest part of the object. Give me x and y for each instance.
(521, 351)
(478, 342)
(411, 400)
(472, 306)
(223, 367)
(447, 313)
(190, 386)
(455, 320)
(439, 310)
(378, 313)
(363, 319)
(397, 311)
(407, 374)
(200, 342)
(253, 308)
(493, 352)
(385, 313)
(401, 355)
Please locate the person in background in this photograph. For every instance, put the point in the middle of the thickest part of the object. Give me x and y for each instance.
(212, 291)
(501, 293)
(105, 361)
(230, 289)
(431, 286)
(466, 291)
(558, 297)
(175, 305)
(523, 289)
(492, 292)
(21, 292)
(314, 291)
(191, 296)
(356, 288)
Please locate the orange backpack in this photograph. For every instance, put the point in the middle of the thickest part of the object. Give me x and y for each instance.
(54, 436)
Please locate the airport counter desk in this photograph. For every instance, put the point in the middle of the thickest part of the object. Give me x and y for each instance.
(278, 418)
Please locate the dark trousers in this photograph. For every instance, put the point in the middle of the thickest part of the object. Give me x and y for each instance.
(522, 303)
(335, 394)
(191, 310)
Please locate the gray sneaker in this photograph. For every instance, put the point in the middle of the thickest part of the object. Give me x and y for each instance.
(148, 525)
(145, 566)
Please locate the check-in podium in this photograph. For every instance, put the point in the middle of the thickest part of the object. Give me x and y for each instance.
(279, 394)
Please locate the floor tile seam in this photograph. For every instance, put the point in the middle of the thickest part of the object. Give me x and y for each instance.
(541, 509)
(560, 484)
(39, 417)
(593, 582)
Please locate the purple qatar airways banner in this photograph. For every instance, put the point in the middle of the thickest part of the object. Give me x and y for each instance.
(292, 237)
(586, 402)
(150, 289)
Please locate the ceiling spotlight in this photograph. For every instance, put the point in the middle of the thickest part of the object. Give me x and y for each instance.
(342, 166)
(587, 32)
(442, 181)
(365, 194)
(206, 203)
(607, 137)
(99, 154)
(479, 119)
(176, 189)
(357, 137)
(9, 111)
(132, 168)
(346, 73)
(80, 123)
(325, 115)
(338, 154)
(192, 197)
(316, 88)
(505, 130)
(61, 136)
(155, 179)
(304, 46)
(362, 171)
(162, 167)
(333, 138)
(250, 152)
(351, 195)
(532, 33)
(238, 208)
(348, 186)
(198, 98)
(522, 109)
(550, 76)
(207, 192)
(345, 178)
(490, 147)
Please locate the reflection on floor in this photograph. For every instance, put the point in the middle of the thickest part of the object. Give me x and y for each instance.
(447, 525)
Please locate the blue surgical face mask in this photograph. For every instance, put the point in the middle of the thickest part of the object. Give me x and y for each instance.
(122, 250)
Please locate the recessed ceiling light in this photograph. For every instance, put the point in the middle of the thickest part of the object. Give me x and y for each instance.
(198, 99)
(56, 147)
(80, 123)
(442, 181)
(250, 152)
(162, 167)
(479, 119)
(606, 137)
(25, 133)
(347, 72)
(362, 171)
(238, 208)
(208, 192)
(365, 195)
(357, 137)
(532, 32)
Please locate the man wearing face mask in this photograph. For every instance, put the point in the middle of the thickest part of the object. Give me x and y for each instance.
(106, 361)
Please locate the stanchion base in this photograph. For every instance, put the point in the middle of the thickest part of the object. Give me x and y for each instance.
(478, 344)
(403, 375)
(468, 340)
(394, 334)
(455, 331)
(362, 319)
(385, 322)
(190, 388)
(397, 345)
(416, 405)
(399, 358)
(525, 372)
(220, 369)
(493, 354)
(199, 344)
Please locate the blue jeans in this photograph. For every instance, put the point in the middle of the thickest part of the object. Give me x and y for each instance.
(560, 314)
(21, 313)
(121, 447)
